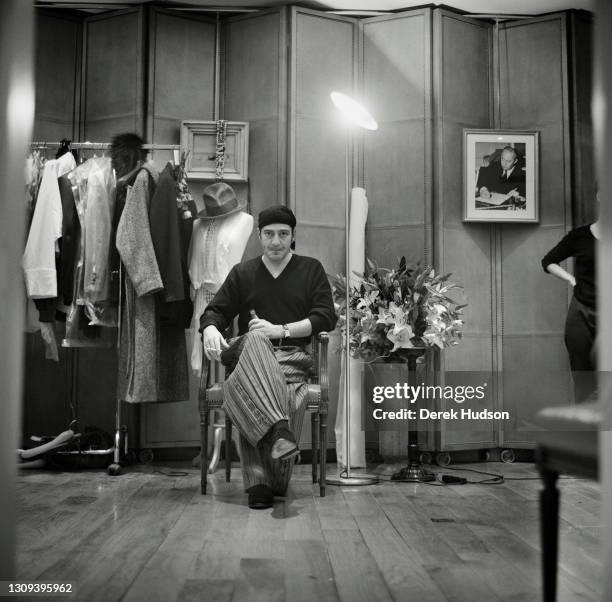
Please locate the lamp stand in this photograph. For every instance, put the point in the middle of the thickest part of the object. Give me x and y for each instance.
(345, 477)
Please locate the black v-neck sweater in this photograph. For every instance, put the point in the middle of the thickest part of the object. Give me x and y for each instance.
(300, 291)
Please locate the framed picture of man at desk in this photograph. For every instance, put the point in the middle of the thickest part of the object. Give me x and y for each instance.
(500, 176)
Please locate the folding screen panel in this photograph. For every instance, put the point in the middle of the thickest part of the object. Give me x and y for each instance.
(57, 60)
(534, 95)
(396, 75)
(113, 89)
(463, 84)
(397, 161)
(323, 59)
(181, 80)
(254, 89)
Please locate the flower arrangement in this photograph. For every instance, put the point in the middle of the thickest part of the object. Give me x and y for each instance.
(394, 310)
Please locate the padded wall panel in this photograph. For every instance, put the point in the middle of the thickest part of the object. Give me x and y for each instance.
(323, 58)
(113, 75)
(254, 89)
(396, 165)
(58, 47)
(181, 73)
(462, 99)
(535, 95)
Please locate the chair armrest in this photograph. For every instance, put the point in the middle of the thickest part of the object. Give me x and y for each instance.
(321, 341)
(210, 375)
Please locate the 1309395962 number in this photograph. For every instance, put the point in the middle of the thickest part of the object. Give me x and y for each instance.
(14, 588)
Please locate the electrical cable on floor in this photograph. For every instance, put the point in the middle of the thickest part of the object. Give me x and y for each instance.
(494, 479)
(560, 478)
(172, 473)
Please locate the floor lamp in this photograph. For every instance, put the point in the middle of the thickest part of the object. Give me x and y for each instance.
(353, 114)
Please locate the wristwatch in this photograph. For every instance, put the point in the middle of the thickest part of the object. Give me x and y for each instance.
(286, 333)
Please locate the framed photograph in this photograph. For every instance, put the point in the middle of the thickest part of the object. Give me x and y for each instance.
(216, 147)
(500, 176)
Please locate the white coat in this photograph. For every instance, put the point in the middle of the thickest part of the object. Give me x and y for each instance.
(39, 257)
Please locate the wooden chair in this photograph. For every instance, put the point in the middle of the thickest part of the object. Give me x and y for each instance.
(568, 446)
(210, 398)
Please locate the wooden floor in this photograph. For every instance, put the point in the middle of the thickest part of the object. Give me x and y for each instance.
(146, 536)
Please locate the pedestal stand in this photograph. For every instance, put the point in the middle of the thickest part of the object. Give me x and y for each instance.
(414, 471)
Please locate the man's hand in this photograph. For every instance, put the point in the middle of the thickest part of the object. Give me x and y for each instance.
(272, 331)
(514, 193)
(484, 193)
(214, 343)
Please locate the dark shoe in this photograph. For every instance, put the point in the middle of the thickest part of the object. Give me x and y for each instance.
(260, 497)
(282, 441)
(283, 449)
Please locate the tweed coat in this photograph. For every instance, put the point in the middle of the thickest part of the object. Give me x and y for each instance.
(143, 376)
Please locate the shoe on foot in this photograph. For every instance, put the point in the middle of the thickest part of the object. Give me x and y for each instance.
(283, 449)
(282, 441)
(260, 497)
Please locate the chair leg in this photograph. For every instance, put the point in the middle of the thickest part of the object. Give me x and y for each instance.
(322, 453)
(314, 423)
(228, 449)
(549, 523)
(214, 462)
(204, 419)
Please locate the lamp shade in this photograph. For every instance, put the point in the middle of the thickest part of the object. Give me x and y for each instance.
(353, 112)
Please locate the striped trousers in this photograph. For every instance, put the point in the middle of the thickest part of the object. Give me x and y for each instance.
(266, 385)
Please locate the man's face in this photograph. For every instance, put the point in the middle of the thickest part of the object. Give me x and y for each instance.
(276, 241)
(508, 159)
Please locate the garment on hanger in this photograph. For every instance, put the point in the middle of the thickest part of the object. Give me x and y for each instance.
(71, 231)
(39, 258)
(93, 194)
(170, 234)
(146, 373)
(35, 164)
(170, 237)
(41, 254)
(34, 167)
(98, 235)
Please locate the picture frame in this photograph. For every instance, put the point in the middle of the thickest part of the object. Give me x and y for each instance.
(199, 143)
(500, 176)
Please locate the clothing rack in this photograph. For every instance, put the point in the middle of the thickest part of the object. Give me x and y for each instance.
(121, 432)
(104, 146)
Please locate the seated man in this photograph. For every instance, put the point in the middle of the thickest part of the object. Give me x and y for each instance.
(281, 299)
(506, 176)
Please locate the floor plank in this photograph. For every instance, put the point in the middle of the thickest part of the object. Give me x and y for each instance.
(357, 575)
(394, 556)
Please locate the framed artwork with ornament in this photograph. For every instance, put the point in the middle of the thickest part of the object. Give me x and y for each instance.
(216, 150)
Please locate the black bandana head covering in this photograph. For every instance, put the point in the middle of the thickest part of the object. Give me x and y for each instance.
(279, 214)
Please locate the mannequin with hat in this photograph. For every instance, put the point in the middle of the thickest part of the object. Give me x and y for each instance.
(220, 235)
